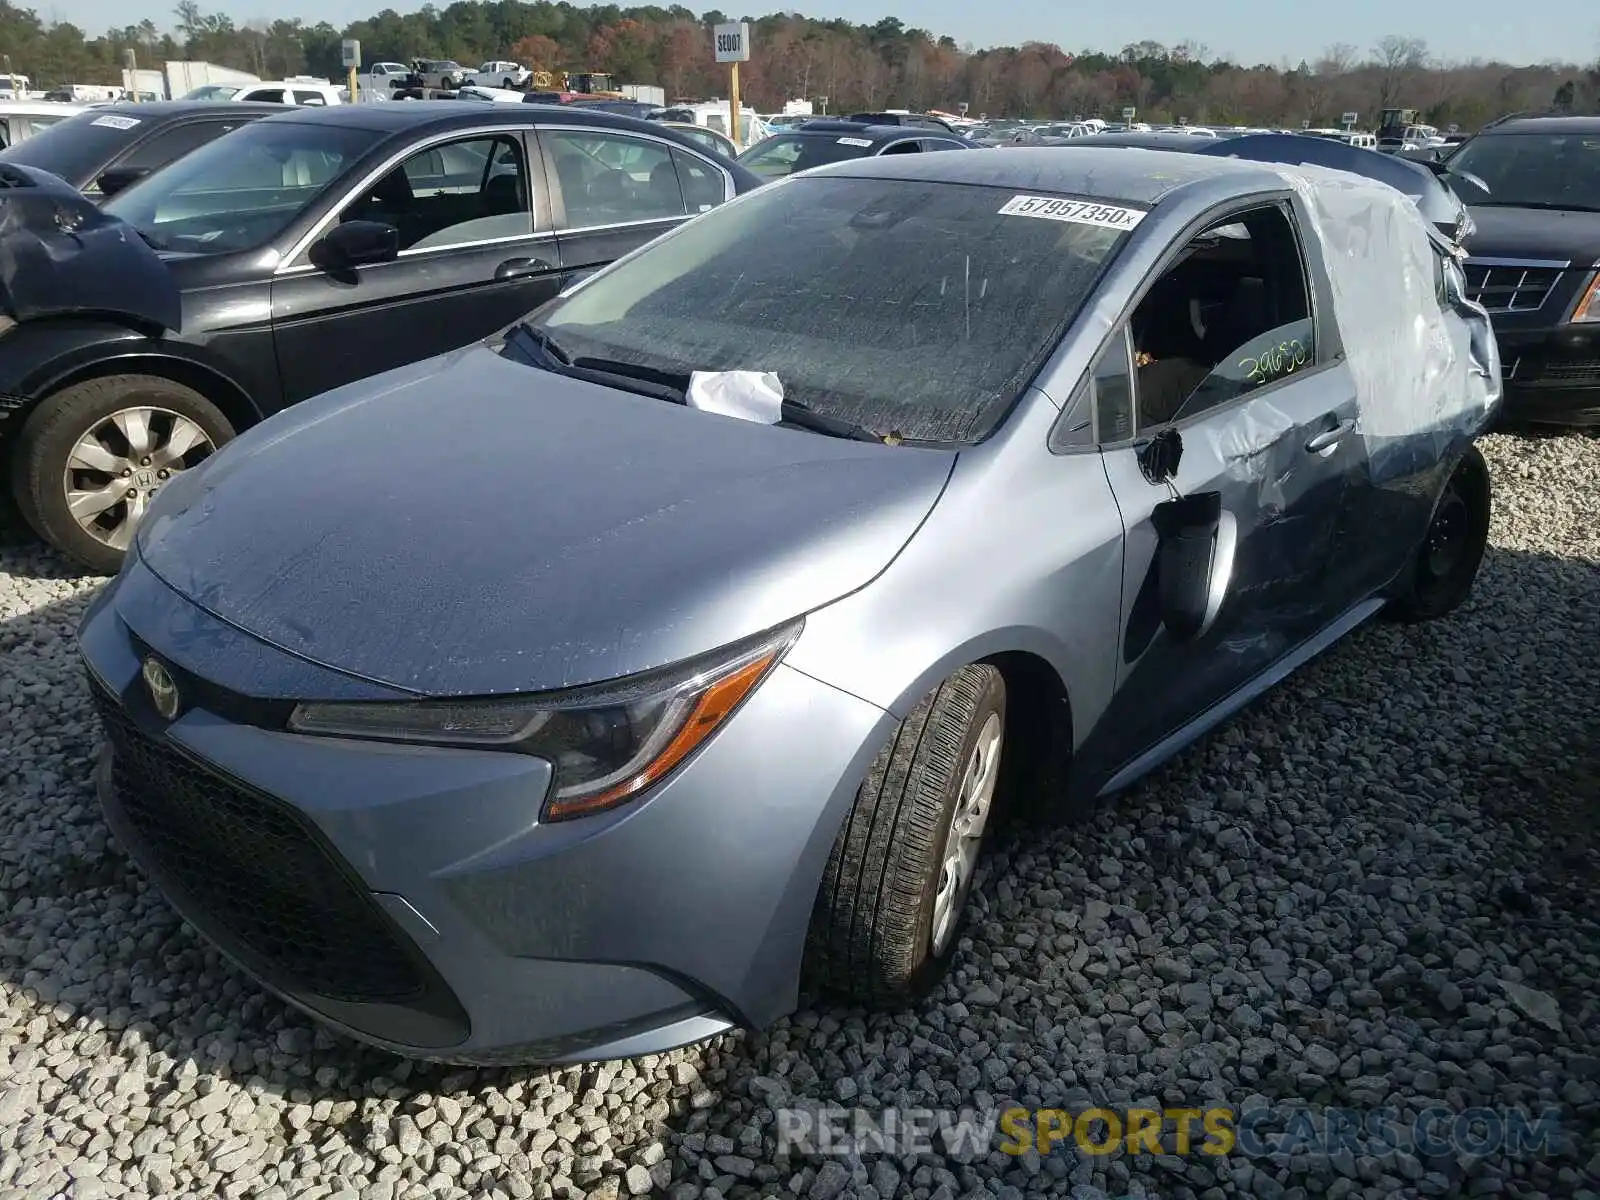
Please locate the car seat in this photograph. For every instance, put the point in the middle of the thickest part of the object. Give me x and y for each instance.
(504, 194)
(665, 196)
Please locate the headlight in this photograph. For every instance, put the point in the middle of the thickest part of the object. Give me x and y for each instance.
(1589, 305)
(607, 742)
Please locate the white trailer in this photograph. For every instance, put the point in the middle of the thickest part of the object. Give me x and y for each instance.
(184, 77)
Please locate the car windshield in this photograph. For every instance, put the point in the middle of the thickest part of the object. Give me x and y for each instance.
(785, 153)
(915, 307)
(242, 190)
(213, 91)
(77, 147)
(1539, 170)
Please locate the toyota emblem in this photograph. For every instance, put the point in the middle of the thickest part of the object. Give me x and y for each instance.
(163, 691)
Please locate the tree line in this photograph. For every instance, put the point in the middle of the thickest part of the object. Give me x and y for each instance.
(854, 67)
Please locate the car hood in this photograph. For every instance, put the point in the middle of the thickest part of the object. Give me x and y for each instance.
(469, 525)
(1535, 233)
(60, 255)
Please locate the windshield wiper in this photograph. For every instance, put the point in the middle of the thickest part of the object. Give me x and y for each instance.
(797, 414)
(543, 342)
(630, 377)
(675, 381)
(152, 240)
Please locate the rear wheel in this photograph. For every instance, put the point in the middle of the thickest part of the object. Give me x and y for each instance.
(1445, 566)
(887, 917)
(91, 457)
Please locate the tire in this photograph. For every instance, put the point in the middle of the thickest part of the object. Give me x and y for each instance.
(872, 937)
(45, 448)
(1441, 573)
(507, 85)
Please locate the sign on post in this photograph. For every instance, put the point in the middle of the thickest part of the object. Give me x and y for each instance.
(963, 108)
(731, 42)
(350, 56)
(1129, 113)
(1349, 119)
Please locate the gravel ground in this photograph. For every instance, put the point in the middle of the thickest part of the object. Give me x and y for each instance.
(1375, 888)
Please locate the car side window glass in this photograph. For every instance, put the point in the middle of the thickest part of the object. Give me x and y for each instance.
(1232, 314)
(474, 190)
(270, 96)
(309, 98)
(612, 179)
(1114, 410)
(704, 186)
(172, 144)
(907, 147)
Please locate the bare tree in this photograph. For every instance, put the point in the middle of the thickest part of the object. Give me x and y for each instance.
(1337, 59)
(1398, 59)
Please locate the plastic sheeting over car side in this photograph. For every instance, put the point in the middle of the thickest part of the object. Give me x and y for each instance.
(1420, 367)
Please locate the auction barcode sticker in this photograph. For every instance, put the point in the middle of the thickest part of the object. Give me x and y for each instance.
(112, 121)
(1079, 212)
(849, 141)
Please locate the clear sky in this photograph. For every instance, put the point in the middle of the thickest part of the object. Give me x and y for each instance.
(1247, 30)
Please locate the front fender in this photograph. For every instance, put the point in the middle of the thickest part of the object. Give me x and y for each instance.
(38, 357)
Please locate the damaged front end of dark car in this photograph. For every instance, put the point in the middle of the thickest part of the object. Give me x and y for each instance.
(62, 257)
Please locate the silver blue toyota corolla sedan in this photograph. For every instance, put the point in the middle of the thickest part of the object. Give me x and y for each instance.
(593, 689)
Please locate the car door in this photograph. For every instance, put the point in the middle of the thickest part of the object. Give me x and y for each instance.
(477, 252)
(1269, 431)
(613, 191)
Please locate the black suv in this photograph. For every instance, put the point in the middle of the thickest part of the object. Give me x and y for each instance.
(1533, 187)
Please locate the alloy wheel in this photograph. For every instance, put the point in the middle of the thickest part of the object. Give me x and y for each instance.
(121, 462)
(959, 860)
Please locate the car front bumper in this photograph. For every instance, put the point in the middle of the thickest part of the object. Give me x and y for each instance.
(411, 897)
(1552, 376)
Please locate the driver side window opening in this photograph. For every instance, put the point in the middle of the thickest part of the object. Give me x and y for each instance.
(1232, 314)
(906, 147)
(475, 190)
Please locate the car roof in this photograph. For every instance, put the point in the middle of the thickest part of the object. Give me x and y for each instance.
(1129, 174)
(428, 115)
(158, 109)
(1545, 125)
(40, 108)
(395, 118)
(878, 133)
(1154, 139)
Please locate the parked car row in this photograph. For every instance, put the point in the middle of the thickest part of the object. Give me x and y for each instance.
(593, 686)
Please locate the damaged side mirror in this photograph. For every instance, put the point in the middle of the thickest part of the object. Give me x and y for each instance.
(1194, 564)
(1159, 456)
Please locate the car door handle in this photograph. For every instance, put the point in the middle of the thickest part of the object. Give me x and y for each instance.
(1329, 438)
(516, 268)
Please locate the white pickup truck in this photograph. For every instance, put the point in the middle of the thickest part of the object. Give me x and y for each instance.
(379, 80)
(499, 75)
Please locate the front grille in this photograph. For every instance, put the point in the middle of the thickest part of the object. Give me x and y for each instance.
(253, 866)
(1570, 372)
(1506, 287)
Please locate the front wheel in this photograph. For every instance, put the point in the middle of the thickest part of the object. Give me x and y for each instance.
(91, 457)
(1444, 568)
(885, 924)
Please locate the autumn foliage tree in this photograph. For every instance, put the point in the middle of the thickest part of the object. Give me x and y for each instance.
(537, 52)
(884, 64)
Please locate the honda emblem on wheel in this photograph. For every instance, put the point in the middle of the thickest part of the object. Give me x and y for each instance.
(163, 690)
